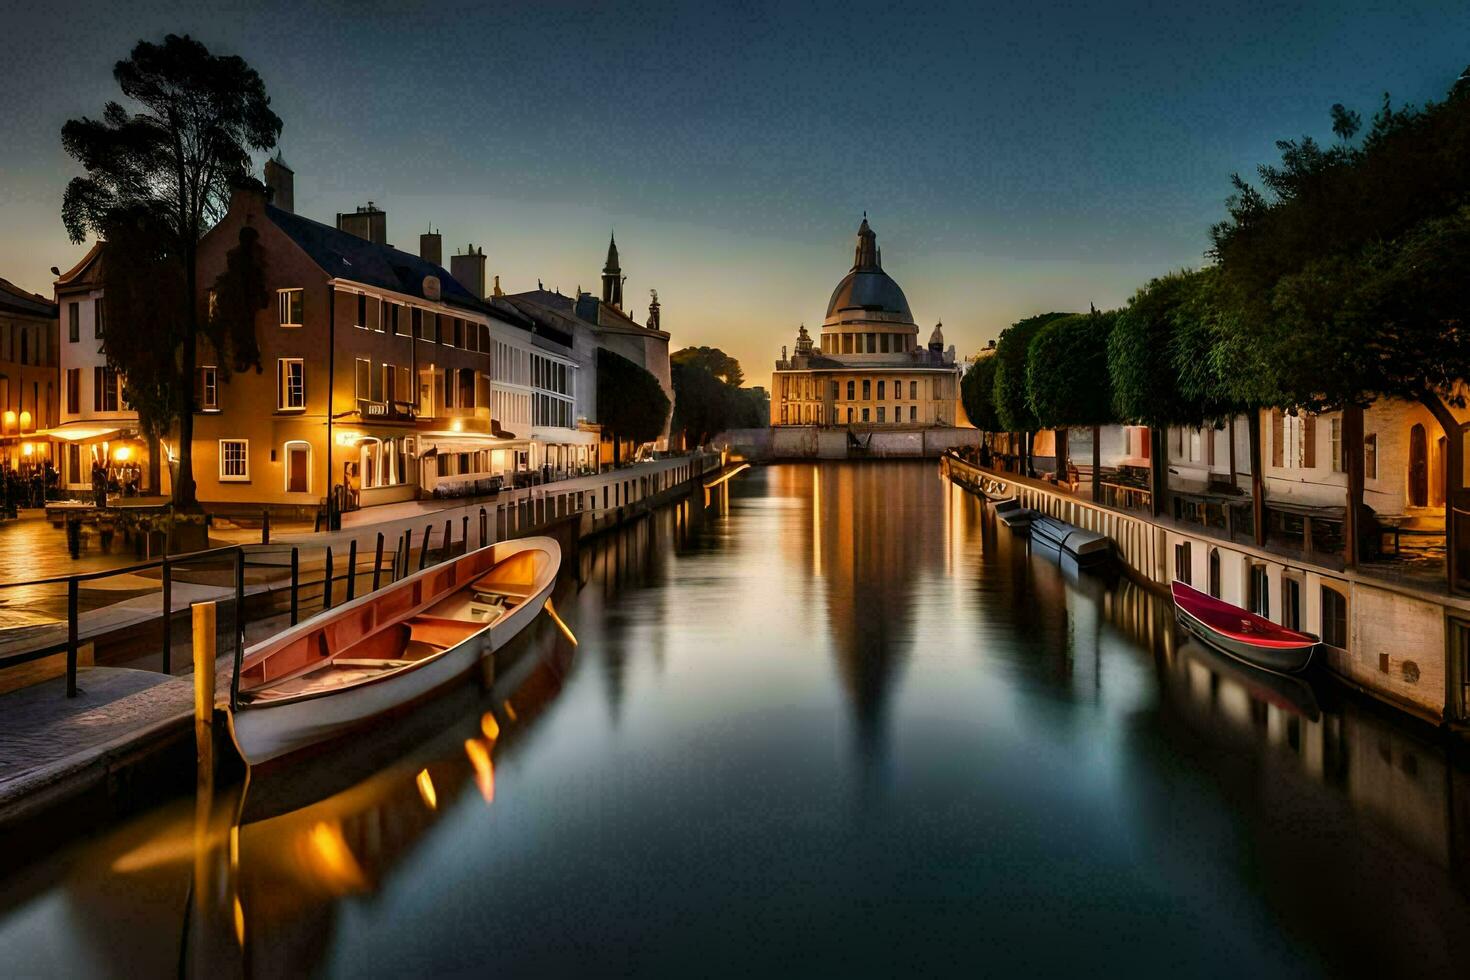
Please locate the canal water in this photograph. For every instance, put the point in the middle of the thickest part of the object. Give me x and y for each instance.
(833, 720)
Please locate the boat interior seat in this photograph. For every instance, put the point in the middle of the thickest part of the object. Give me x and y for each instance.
(441, 633)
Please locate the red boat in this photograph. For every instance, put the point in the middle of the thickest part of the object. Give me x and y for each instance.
(1241, 633)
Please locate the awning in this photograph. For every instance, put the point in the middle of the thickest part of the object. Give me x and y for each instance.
(80, 433)
(460, 442)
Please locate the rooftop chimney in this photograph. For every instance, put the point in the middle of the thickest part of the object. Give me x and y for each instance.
(431, 247)
(469, 270)
(280, 182)
(366, 222)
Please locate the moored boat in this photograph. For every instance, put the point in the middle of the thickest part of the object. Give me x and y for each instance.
(1241, 633)
(1086, 548)
(374, 655)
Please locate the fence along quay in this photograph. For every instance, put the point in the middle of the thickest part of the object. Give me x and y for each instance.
(1404, 646)
(120, 661)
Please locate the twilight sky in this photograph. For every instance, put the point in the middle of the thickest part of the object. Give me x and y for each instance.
(1012, 157)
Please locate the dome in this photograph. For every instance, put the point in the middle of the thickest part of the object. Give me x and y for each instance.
(869, 290)
(867, 287)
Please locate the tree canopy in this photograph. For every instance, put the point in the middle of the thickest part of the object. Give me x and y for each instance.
(977, 394)
(713, 360)
(158, 176)
(704, 405)
(1142, 349)
(1067, 381)
(631, 404)
(1343, 272)
(1012, 406)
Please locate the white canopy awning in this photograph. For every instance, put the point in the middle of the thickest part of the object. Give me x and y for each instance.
(81, 433)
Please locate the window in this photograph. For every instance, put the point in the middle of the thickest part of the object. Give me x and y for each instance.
(416, 321)
(363, 380)
(381, 324)
(1291, 603)
(1334, 438)
(290, 303)
(1182, 562)
(1292, 436)
(865, 413)
(73, 321)
(897, 388)
(1334, 618)
(913, 413)
(881, 385)
(209, 389)
(97, 317)
(1215, 572)
(290, 384)
(882, 412)
(431, 326)
(234, 460)
(849, 413)
(361, 321)
(393, 309)
(74, 390)
(850, 390)
(104, 389)
(867, 391)
(211, 306)
(390, 374)
(1370, 457)
(1260, 591)
(913, 390)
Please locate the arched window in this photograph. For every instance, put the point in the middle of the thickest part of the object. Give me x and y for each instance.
(1182, 562)
(1215, 572)
(1334, 618)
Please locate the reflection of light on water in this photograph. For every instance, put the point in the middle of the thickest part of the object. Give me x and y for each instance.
(551, 611)
(239, 922)
(426, 790)
(510, 712)
(816, 522)
(484, 769)
(489, 726)
(331, 861)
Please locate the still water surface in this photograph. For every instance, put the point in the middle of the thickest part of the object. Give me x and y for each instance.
(836, 721)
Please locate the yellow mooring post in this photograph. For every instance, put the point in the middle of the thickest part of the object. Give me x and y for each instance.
(204, 644)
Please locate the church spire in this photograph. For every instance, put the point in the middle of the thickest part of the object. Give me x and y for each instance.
(866, 257)
(612, 276)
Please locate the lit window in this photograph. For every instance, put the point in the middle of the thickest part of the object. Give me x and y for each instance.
(1370, 457)
(290, 307)
(290, 384)
(209, 389)
(234, 460)
(1334, 436)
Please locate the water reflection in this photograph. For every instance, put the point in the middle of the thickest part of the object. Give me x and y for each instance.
(826, 698)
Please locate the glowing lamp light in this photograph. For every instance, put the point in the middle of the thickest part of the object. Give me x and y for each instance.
(25, 420)
(27, 449)
(9, 420)
(122, 454)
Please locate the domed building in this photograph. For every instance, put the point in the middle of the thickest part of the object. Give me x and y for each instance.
(867, 369)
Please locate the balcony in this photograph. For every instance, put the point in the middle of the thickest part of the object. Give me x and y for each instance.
(394, 411)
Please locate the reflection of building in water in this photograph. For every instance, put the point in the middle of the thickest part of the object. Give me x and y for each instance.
(873, 547)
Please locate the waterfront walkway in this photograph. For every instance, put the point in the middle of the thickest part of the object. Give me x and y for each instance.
(54, 748)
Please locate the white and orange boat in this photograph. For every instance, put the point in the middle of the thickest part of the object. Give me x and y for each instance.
(377, 654)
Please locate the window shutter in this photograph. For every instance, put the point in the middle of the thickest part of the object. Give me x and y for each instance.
(1278, 437)
(1309, 440)
(97, 388)
(198, 388)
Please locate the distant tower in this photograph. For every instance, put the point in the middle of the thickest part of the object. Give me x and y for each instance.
(612, 276)
(803, 342)
(653, 310)
(936, 339)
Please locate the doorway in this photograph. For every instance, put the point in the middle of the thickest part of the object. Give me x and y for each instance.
(1418, 467)
(298, 468)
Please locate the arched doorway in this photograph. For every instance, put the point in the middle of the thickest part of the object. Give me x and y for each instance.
(1418, 467)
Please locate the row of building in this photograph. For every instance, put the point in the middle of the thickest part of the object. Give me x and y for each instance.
(383, 372)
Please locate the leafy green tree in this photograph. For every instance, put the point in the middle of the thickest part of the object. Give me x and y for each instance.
(158, 176)
(631, 404)
(713, 360)
(1343, 280)
(1067, 380)
(1012, 406)
(977, 394)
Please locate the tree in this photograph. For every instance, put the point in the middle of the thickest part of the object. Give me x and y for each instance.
(156, 179)
(977, 394)
(1067, 380)
(1147, 388)
(1012, 407)
(1344, 284)
(713, 360)
(631, 403)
